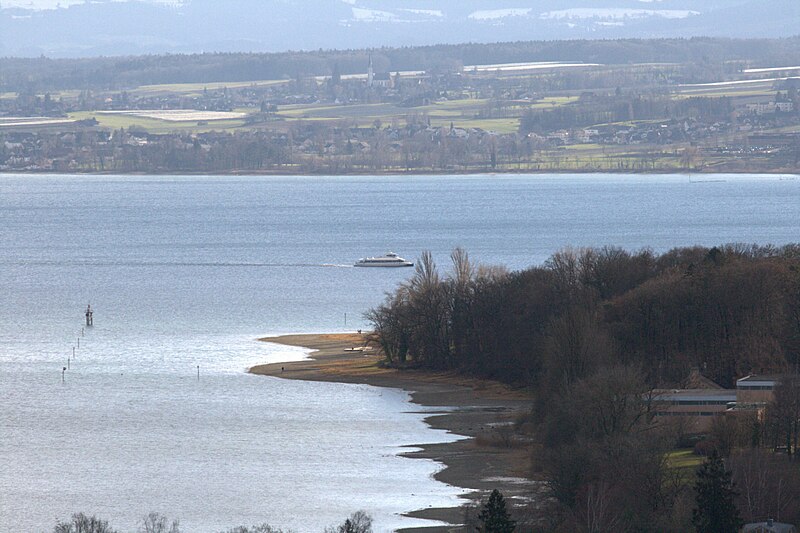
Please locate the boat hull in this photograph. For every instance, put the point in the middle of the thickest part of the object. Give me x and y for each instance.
(388, 265)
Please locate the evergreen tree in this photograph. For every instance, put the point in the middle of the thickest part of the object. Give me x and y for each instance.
(716, 511)
(495, 517)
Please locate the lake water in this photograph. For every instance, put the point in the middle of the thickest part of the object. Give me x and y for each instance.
(189, 271)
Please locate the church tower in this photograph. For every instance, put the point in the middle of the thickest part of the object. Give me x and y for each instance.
(370, 73)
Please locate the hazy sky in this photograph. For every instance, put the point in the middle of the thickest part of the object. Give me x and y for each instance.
(38, 4)
(52, 4)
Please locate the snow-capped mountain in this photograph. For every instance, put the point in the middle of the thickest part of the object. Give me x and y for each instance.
(115, 27)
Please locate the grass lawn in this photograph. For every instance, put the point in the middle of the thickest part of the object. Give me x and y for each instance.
(358, 111)
(685, 462)
(197, 88)
(457, 104)
(578, 147)
(555, 101)
(497, 125)
(718, 92)
(462, 113)
(152, 125)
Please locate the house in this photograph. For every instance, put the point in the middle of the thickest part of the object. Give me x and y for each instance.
(698, 407)
(382, 79)
(756, 390)
(588, 135)
(769, 108)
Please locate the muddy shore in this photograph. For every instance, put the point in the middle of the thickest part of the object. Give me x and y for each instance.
(478, 409)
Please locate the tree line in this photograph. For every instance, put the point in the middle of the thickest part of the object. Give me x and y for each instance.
(731, 310)
(592, 110)
(45, 74)
(358, 522)
(493, 517)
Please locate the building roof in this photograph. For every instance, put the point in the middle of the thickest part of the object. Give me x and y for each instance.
(772, 378)
(702, 395)
(768, 527)
(699, 381)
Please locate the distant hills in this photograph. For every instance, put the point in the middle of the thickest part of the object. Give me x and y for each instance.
(113, 27)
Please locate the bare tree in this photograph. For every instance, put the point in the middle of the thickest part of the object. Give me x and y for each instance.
(575, 345)
(768, 485)
(158, 523)
(80, 523)
(358, 522)
(783, 414)
(597, 510)
(263, 528)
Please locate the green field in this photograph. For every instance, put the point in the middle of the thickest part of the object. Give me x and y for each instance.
(462, 113)
(555, 101)
(685, 463)
(733, 90)
(187, 89)
(116, 121)
(731, 93)
(496, 125)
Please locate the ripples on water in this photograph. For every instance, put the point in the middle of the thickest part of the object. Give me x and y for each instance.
(190, 271)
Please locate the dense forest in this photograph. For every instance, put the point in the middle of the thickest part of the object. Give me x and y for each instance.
(592, 333)
(114, 73)
(731, 310)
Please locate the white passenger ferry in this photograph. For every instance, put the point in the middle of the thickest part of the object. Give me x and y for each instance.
(389, 260)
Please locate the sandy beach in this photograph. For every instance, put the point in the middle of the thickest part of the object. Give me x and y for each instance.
(479, 409)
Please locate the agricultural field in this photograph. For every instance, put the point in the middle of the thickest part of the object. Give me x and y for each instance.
(194, 89)
(179, 115)
(526, 67)
(20, 122)
(153, 124)
(733, 89)
(501, 118)
(462, 113)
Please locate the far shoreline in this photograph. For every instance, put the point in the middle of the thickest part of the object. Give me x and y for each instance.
(477, 463)
(417, 172)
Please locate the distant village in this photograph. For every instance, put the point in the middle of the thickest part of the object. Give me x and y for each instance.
(561, 123)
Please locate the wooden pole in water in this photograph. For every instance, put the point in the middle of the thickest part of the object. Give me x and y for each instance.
(73, 352)
(198, 372)
(63, 371)
(79, 342)
(68, 362)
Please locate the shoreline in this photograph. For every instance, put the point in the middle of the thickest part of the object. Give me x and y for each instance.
(419, 172)
(481, 462)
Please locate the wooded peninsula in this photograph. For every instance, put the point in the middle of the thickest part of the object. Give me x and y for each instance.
(638, 365)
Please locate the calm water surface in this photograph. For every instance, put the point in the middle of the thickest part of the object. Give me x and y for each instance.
(188, 272)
